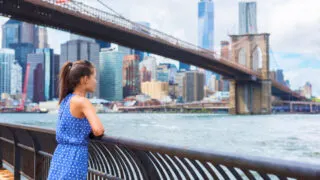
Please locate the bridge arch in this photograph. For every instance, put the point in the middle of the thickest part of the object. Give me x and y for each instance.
(242, 57)
(257, 59)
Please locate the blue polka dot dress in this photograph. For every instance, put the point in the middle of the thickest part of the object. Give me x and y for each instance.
(70, 158)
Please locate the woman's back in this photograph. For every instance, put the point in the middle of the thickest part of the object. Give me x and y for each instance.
(71, 130)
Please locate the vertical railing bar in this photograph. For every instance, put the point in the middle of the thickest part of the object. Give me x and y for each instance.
(174, 166)
(158, 165)
(126, 160)
(120, 170)
(36, 147)
(189, 167)
(141, 169)
(16, 156)
(94, 165)
(234, 172)
(182, 167)
(122, 162)
(210, 170)
(136, 169)
(164, 165)
(111, 160)
(104, 158)
(222, 172)
(248, 174)
(146, 162)
(199, 168)
(264, 175)
(102, 167)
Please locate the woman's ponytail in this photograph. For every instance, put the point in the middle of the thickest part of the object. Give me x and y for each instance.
(64, 84)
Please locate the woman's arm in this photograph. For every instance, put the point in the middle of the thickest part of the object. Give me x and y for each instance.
(90, 113)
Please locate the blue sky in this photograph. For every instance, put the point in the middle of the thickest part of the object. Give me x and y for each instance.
(294, 26)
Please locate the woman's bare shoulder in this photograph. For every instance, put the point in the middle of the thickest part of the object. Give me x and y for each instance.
(80, 101)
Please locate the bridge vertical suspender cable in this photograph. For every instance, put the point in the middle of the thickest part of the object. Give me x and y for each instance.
(275, 60)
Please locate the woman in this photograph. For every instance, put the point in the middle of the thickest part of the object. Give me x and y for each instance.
(77, 119)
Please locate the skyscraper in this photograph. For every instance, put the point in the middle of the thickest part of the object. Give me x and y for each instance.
(82, 50)
(307, 90)
(16, 78)
(21, 52)
(14, 31)
(225, 50)
(148, 68)
(194, 86)
(6, 62)
(48, 71)
(29, 33)
(155, 89)
(101, 43)
(206, 30)
(247, 18)
(111, 62)
(36, 77)
(131, 77)
(280, 77)
(10, 33)
(39, 83)
(166, 72)
(180, 80)
(55, 76)
(43, 38)
(206, 24)
(145, 75)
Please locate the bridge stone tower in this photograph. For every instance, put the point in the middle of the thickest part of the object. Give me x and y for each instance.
(251, 95)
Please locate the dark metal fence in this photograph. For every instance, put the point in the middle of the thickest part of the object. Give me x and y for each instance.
(28, 151)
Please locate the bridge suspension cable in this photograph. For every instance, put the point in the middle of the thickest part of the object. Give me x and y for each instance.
(115, 12)
(274, 59)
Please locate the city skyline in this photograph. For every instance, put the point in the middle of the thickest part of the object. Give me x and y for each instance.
(294, 59)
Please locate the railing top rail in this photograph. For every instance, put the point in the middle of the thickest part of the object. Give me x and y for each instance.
(29, 128)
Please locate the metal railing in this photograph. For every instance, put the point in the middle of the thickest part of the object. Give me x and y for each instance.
(28, 151)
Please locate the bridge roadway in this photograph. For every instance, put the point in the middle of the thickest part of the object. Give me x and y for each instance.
(82, 19)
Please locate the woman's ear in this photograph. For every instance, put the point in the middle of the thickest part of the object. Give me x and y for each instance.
(86, 78)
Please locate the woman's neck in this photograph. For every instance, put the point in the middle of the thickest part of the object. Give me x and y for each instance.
(79, 93)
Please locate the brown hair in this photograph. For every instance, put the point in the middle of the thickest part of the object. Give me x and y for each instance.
(70, 75)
